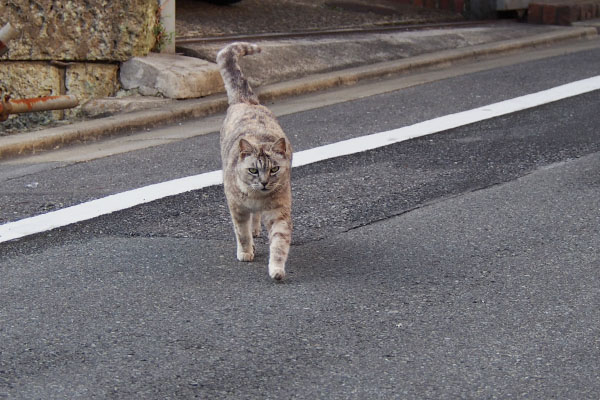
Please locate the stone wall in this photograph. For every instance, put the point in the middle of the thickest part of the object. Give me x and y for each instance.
(73, 46)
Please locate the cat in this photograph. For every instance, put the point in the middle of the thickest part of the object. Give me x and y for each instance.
(257, 163)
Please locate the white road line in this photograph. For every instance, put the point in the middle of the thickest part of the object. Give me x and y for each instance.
(131, 198)
(369, 142)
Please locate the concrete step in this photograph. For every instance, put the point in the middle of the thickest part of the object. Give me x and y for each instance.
(315, 61)
(283, 60)
(172, 76)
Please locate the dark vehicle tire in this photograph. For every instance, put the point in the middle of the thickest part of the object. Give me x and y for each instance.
(222, 2)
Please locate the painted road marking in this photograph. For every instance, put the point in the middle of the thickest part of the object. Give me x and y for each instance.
(146, 194)
(447, 122)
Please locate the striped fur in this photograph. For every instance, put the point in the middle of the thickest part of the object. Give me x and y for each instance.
(236, 85)
(257, 158)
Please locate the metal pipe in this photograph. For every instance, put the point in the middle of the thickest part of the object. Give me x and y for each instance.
(17, 106)
(7, 33)
(167, 20)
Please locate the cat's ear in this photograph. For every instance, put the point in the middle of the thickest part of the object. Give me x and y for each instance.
(246, 148)
(279, 147)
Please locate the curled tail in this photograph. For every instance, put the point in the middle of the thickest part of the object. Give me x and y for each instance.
(236, 84)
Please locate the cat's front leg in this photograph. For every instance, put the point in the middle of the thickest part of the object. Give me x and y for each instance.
(243, 233)
(256, 224)
(279, 224)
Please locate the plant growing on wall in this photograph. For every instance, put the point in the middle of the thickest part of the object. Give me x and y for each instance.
(162, 37)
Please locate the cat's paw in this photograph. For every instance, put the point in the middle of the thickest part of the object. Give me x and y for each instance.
(244, 256)
(256, 232)
(277, 273)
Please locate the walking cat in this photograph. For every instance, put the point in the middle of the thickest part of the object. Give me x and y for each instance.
(257, 161)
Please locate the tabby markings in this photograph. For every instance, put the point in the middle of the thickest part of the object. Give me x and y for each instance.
(146, 194)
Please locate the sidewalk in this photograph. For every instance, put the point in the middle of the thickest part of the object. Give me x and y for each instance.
(289, 67)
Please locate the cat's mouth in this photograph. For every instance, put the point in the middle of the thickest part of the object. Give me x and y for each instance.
(264, 189)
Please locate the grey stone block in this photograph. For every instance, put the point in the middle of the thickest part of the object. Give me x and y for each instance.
(172, 76)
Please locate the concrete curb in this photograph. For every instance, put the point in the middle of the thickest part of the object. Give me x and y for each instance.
(354, 75)
(32, 142)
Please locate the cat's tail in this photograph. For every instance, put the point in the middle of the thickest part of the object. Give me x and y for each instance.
(236, 84)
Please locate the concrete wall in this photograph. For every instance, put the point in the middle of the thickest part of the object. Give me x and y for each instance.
(73, 46)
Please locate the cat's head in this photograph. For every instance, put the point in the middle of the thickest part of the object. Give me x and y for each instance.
(263, 168)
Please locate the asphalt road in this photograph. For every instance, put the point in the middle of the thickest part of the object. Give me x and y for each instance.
(30, 187)
(458, 265)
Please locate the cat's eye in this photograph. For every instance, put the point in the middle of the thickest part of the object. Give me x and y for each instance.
(274, 170)
(253, 171)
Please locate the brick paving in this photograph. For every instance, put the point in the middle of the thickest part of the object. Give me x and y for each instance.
(562, 12)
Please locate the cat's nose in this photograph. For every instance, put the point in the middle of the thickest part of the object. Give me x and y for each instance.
(264, 184)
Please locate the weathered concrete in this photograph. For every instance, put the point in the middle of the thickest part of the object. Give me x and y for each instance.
(173, 76)
(115, 105)
(90, 80)
(22, 79)
(88, 30)
(16, 78)
(291, 59)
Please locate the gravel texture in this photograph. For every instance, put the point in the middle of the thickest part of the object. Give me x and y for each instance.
(197, 18)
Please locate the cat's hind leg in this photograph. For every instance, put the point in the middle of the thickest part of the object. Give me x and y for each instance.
(242, 224)
(256, 224)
